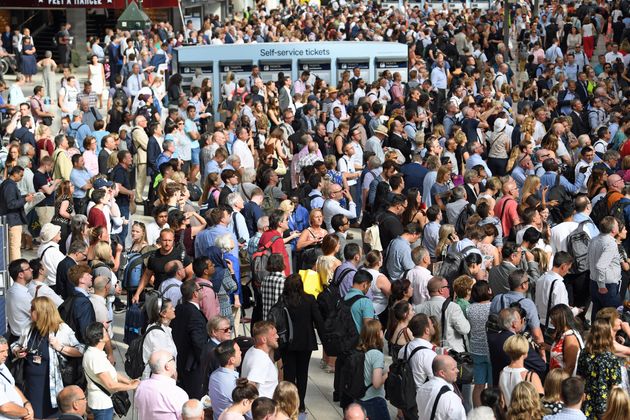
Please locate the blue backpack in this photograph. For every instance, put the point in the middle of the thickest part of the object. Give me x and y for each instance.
(133, 270)
(135, 321)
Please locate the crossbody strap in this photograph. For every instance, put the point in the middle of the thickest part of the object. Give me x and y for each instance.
(553, 285)
(443, 390)
(99, 386)
(443, 319)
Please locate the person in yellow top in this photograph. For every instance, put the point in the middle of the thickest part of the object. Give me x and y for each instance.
(62, 163)
(313, 284)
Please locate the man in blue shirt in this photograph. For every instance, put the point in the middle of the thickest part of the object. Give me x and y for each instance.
(80, 178)
(219, 220)
(551, 172)
(518, 281)
(223, 380)
(362, 309)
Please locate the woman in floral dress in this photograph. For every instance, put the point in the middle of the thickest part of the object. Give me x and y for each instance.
(599, 367)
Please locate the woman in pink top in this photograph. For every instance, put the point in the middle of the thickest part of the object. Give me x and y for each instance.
(242, 396)
(89, 156)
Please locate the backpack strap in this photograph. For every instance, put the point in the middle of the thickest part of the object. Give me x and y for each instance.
(344, 273)
(553, 285)
(529, 375)
(443, 318)
(44, 251)
(414, 351)
(353, 300)
(443, 390)
(269, 244)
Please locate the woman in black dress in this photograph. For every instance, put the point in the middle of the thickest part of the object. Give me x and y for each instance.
(43, 345)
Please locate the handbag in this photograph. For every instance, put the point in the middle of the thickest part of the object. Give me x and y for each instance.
(72, 372)
(120, 399)
(17, 370)
(464, 366)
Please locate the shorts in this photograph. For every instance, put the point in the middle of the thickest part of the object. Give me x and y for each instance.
(482, 370)
(194, 156)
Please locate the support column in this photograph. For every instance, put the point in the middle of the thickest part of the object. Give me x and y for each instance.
(77, 18)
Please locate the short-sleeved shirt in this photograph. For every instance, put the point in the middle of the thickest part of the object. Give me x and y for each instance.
(506, 299)
(157, 262)
(39, 180)
(374, 359)
(362, 308)
(95, 362)
(190, 126)
(8, 393)
(258, 367)
(121, 176)
(79, 177)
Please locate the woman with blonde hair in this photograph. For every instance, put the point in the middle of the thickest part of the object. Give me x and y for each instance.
(552, 401)
(288, 401)
(530, 187)
(599, 367)
(328, 262)
(43, 137)
(525, 404)
(339, 136)
(618, 405)
(64, 210)
(43, 345)
(516, 347)
(446, 237)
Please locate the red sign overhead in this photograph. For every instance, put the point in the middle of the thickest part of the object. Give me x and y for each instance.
(84, 4)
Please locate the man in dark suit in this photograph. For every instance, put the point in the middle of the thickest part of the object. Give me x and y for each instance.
(108, 147)
(77, 252)
(580, 121)
(190, 337)
(12, 205)
(471, 185)
(72, 403)
(81, 312)
(414, 173)
(511, 323)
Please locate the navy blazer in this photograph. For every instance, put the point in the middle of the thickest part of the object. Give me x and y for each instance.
(83, 313)
(153, 151)
(189, 335)
(499, 359)
(12, 203)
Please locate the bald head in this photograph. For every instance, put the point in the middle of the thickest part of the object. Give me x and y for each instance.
(100, 284)
(192, 410)
(159, 360)
(435, 285)
(172, 267)
(445, 367)
(71, 400)
(355, 412)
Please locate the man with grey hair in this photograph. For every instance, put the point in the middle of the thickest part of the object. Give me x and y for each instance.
(355, 412)
(458, 204)
(262, 226)
(158, 397)
(374, 169)
(26, 183)
(237, 222)
(170, 288)
(420, 275)
(72, 403)
(233, 162)
(13, 403)
(510, 322)
(192, 410)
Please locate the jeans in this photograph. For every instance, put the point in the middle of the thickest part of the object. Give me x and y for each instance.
(610, 299)
(104, 414)
(376, 408)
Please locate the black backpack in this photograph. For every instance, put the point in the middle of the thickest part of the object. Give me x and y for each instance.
(600, 210)
(400, 386)
(617, 211)
(453, 265)
(577, 246)
(462, 220)
(306, 201)
(279, 314)
(340, 333)
(559, 194)
(352, 386)
(328, 299)
(120, 93)
(134, 363)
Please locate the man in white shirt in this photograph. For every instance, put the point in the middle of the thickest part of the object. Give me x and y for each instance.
(561, 231)
(333, 207)
(257, 365)
(13, 403)
(241, 147)
(550, 287)
(422, 329)
(419, 276)
(49, 252)
(160, 216)
(18, 298)
(38, 288)
(98, 298)
(587, 155)
(437, 399)
(170, 288)
(612, 56)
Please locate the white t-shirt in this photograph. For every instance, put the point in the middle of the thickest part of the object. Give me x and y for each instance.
(95, 362)
(258, 367)
(346, 164)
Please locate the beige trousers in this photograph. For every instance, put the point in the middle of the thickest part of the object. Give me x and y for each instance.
(15, 242)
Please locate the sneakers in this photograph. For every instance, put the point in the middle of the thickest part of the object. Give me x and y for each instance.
(119, 306)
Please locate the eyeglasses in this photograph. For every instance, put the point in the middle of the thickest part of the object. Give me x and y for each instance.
(225, 330)
(199, 289)
(26, 269)
(335, 192)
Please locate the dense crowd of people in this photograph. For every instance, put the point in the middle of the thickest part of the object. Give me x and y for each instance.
(459, 238)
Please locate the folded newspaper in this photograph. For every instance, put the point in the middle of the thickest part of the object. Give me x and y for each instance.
(38, 198)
